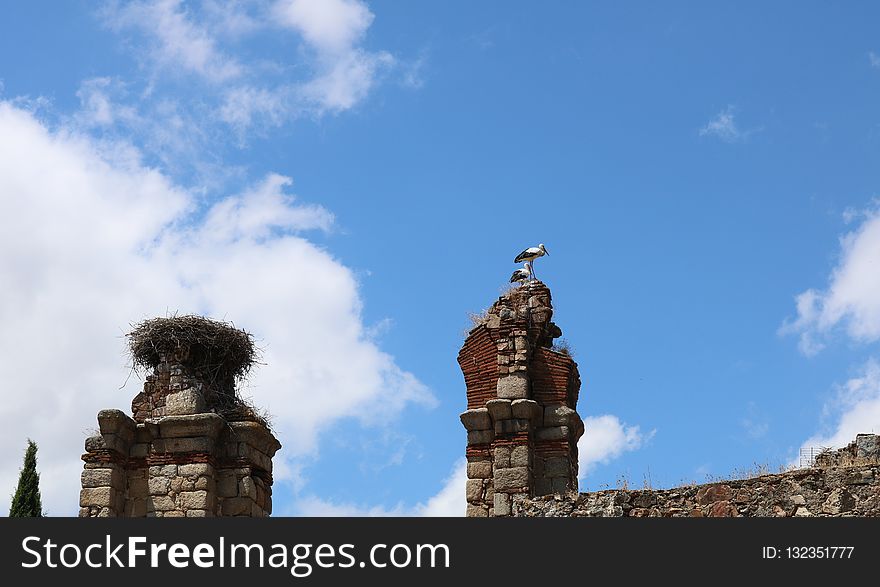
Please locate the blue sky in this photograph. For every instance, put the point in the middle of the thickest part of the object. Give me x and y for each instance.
(349, 179)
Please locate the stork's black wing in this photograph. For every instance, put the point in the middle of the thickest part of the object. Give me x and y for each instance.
(522, 256)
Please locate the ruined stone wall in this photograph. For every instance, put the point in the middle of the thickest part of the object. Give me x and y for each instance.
(843, 483)
(174, 458)
(865, 449)
(522, 426)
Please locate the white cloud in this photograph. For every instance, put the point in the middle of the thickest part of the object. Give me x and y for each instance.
(244, 107)
(852, 298)
(334, 71)
(178, 43)
(874, 59)
(261, 211)
(334, 29)
(231, 18)
(99, 106)
(345, 80)
(606, 438)
(89, 244)
(331, 26)
(724, 127)
(449, 501)
(854, 408)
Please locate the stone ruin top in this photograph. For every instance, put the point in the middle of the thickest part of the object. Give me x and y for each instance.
(522, 392)
(865, 449)
(193, 448)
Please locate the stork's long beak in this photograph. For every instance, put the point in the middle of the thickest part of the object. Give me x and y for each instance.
(546, 252)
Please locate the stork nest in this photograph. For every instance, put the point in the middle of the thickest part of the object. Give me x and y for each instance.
(217, 353)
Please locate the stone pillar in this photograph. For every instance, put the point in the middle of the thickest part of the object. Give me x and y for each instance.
(104, 479)
(178, 457)
(177, 466)
(521, 422)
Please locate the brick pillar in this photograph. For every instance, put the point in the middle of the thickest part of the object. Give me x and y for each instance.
(176, 458)
(521, 422)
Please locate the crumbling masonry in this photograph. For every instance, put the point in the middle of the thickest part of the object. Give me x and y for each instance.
(522, 433)
(522, 426)
(841, 483)
(177, 457)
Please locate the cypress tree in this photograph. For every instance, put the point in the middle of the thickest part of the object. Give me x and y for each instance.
(27, 503)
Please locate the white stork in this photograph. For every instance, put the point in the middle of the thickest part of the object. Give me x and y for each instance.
(521, 275)
(529, 256)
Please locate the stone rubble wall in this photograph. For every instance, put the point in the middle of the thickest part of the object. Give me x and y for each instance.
(521, 422)
(830, 491)
(864, 449)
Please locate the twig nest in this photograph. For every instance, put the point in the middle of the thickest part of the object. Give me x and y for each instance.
(217, 353)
